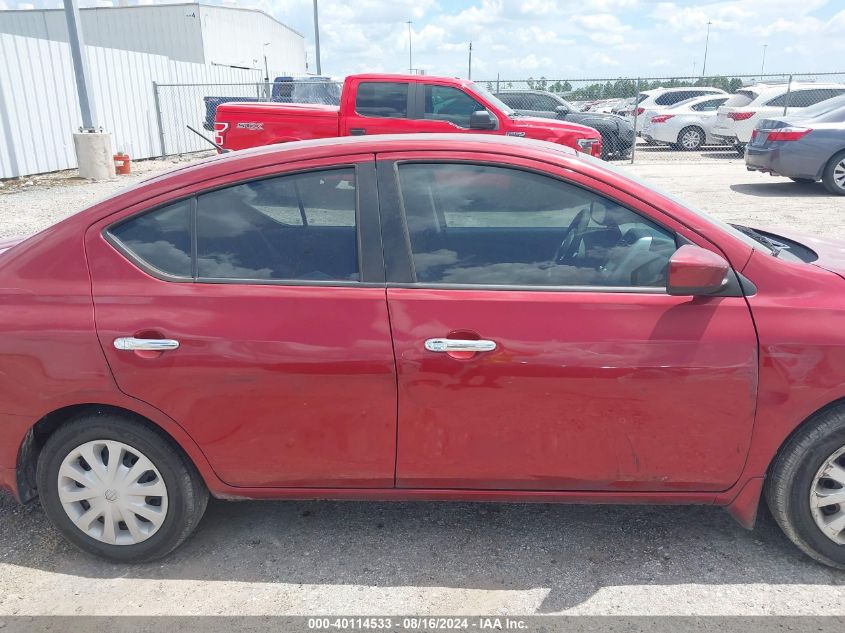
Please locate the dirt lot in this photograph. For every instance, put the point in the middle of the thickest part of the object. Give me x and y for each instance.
(258, 558)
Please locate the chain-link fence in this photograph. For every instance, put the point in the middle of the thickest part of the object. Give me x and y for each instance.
(640, 119)
(195, 105)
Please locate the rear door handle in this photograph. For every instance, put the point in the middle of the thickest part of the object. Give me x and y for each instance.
(145, 344)
(459, 345)
(357, 131)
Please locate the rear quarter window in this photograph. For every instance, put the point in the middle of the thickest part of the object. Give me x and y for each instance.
(741, 98)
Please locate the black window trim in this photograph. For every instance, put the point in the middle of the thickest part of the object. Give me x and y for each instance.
(368, 234)
(390, 193)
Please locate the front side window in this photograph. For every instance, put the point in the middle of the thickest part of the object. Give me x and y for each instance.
(444, 103)
(382, 99)
(485, 225)
(293, 227)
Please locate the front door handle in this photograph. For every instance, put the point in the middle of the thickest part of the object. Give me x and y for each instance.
(459, 345)
(145, 344)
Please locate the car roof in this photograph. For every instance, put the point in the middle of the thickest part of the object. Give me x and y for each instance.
(764, 89)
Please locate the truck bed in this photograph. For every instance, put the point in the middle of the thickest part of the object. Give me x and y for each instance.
(267, 123)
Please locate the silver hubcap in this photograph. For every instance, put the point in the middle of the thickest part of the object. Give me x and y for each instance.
(827, 497)
(691, 139)
(839, 174)
(112, 492)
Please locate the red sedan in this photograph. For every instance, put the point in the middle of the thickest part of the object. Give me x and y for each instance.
(416, 317)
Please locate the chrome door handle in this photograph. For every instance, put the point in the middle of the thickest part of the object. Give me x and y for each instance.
(459, 345)
(145, 344)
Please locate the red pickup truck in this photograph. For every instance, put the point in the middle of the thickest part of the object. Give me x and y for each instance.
(393, 104)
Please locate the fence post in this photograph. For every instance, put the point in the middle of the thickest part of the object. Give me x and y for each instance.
(788, 92)
(157, 102)
(636, 98)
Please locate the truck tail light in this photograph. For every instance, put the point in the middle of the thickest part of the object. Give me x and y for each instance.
(590, 146)
(788, 134)
(740, 116)
(220, 132)
(661, 118)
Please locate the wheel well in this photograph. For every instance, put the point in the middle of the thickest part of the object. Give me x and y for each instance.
(41, 431)
(808, 420)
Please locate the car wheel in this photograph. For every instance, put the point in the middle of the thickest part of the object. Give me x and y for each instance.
(116, 488)
(806, 488)
(690, 138)
(803, 181)
(834, 175)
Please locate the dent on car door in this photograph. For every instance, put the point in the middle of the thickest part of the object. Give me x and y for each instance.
(274, 290)
(536, 346)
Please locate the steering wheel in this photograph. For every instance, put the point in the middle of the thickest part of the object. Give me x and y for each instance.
(568, 248)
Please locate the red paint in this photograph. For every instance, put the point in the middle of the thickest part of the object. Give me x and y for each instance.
(243, 125)
(696, 270)
(292, 392)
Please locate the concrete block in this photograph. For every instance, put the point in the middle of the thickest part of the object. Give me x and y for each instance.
(94, 154)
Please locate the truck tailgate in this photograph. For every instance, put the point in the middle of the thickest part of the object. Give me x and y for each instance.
(242, 125)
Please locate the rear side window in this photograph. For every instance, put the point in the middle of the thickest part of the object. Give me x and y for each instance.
(161, 238)
(709, 105)
(382, 99)
(741, 98)
(293, 227)
(804, 98)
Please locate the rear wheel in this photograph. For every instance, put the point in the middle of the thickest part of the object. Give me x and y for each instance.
(806, 488)
(690, 138)
(834, 175)
(119, 489)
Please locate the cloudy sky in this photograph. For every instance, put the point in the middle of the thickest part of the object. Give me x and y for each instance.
(563, 38)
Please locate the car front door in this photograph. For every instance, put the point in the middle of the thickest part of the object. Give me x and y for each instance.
(254, 315)
(536, 346)
(439, 108)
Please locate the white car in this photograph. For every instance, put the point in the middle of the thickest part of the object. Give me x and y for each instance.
(736, 120)
(685, 125)
(652, 102)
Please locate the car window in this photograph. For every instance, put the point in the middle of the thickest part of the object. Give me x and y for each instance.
(296, 227)
(444, 103)
(709, 105)
(544, 102)
(160, 238)
(741, 98)
(382, 99)
(485, 225)
(670, 98)
(806, 97)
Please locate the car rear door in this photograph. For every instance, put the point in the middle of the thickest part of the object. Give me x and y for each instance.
(253, 314)
(376, 107)
(531, 360)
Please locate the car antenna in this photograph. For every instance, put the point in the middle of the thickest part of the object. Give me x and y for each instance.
(220, 148)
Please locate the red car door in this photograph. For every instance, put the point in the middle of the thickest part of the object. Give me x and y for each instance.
(254, 315)
(536, 345)
(376, 107)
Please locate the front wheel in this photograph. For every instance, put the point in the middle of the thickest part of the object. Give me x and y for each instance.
(806, 488)
(119, 489)
(834, 175)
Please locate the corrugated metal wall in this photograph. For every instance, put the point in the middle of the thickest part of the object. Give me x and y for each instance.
(39, 109)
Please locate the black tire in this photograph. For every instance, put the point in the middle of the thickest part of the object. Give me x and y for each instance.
(803, 181)
(829, 177)
(701, 139)
(791, 478)
(186, 492)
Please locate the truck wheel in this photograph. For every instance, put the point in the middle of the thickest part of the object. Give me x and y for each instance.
(805, 490)
(119, 489)
(834, 175)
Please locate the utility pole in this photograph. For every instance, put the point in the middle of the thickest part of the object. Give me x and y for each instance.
(317, 37)
(706, 44)
(410, 57)
(763, 65)
(469, 73)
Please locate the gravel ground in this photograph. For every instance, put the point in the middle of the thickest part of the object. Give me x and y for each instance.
(304, 558)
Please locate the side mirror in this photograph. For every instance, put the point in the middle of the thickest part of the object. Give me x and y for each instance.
(562, 110)
(482, 120)
(696, 271)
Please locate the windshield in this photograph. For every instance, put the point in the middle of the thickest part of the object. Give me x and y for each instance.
(491, 98)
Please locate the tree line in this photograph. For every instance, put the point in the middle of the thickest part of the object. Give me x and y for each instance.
(619, 89)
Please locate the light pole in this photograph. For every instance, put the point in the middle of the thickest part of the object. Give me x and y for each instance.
(410, 57)
(469, 71)
(266, 73)
(317, 38)
(763, 65)
(706, 44)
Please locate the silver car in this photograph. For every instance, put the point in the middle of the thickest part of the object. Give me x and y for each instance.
(805, 147)
(686, 125)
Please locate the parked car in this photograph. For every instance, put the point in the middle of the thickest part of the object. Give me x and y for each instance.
(389, 104)
(685, 125)
(652, 102)
(617, 134)
(736, 120)
(416, 317)
(806, 147)
(283, 90)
